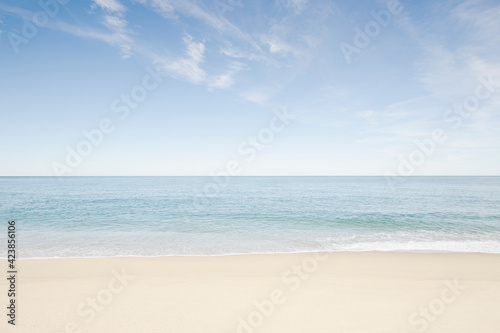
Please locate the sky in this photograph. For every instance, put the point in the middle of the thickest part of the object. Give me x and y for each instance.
(240, 87)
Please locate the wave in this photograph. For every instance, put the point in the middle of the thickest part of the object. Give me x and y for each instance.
(113, 245)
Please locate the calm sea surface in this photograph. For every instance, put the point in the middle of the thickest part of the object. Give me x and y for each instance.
(150, 216)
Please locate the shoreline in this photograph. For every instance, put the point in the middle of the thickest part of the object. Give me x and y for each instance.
(261, 253)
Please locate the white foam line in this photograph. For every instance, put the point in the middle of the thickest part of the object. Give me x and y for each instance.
(259, 253)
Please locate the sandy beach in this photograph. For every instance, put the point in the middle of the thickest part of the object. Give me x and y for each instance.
(322, 292)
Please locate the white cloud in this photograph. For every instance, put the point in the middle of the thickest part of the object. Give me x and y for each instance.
(187, 67)
(456, 50)
(189, 8)
(484, 18)
(235, 53)
(164, 8)
(274, 39)
(256, 96)
(458, 60)
(111, 5)
(121, 33)
(24, 13)
(222, 81)
(84, 32)
(296, 5)
(114, 21)
(226, 79)
(276, 45)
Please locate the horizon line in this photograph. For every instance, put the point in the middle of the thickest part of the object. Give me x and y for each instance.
(3, 176)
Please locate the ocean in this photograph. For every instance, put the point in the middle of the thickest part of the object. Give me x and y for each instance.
(155, 216)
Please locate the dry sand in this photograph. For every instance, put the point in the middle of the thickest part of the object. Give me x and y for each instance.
(337, 292)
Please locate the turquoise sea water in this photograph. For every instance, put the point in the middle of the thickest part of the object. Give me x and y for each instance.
(149, 216)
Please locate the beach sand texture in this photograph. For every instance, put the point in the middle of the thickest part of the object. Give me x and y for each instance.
(323, 292)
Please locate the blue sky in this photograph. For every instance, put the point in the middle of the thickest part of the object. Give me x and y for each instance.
(366, 95)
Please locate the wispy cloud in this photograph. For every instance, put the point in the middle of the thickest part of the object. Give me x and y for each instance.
(462, 59)
(236, 53)
(457, 50)
(119, 36)
(256, 96)
(173, 9)
(226, 79)
(21, 12)
(277, 45)
(187, 67)
(114, 20)
(111, 5)
(296, 5)
(86, 32)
